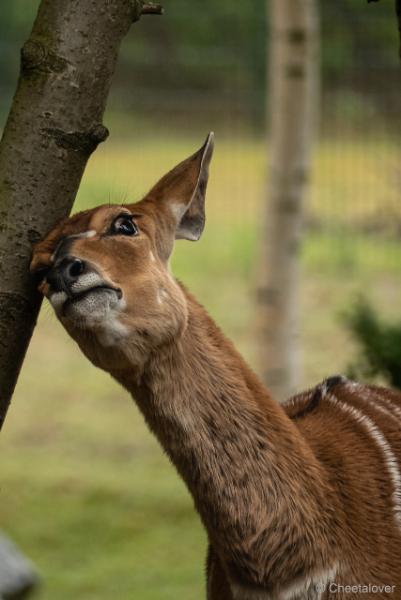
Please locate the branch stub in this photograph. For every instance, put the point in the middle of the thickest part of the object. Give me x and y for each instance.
(141, 7)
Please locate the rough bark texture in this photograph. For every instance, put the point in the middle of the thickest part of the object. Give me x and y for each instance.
(54, 125)
(292, 107)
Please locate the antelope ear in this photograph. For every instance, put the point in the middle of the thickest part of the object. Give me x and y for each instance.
(183, 192)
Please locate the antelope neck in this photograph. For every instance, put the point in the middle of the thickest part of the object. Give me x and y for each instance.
(250, 472)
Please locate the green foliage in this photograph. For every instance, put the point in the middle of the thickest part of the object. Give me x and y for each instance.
(16, 21)
(218, 47)
(379, 344)
(356, 36)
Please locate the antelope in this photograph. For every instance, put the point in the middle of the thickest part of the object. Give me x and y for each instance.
(299, 501)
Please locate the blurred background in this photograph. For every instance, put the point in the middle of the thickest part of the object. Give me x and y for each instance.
(85, 490)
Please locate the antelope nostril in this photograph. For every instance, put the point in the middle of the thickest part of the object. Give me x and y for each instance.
(64, 274)
(75, 268)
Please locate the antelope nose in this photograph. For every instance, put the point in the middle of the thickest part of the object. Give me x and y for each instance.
(65, 274)
(71, 269)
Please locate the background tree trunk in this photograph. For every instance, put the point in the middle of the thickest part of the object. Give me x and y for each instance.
(54, 125)
(294, 67)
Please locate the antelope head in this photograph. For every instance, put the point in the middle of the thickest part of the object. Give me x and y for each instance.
(106, 271)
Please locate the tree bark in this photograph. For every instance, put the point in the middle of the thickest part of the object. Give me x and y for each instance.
(55, 123)
(292, 108)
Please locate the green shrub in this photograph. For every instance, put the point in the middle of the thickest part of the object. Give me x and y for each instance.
(379, 344)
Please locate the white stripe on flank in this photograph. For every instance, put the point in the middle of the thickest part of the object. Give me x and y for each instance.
(373, 397)
(389, 457)
(383, 405)
(392, 406)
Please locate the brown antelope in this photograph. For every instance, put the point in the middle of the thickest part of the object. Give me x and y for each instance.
(299, 502)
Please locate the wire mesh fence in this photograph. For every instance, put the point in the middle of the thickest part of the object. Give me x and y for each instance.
(193, 71)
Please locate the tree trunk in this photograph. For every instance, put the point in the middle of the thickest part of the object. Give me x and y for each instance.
(294, 69)
(54, 125)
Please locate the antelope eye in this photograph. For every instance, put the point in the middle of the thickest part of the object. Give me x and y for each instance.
(124, 225)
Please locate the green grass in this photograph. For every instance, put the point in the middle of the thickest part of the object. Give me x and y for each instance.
(85, 489)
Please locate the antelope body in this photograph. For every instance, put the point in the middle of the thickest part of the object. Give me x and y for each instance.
(301, 501)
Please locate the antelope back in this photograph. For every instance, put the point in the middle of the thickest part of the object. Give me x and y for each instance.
(354, 431)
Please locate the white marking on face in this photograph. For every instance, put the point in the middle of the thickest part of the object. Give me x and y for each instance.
(162, 294)
(389, 457)
(99, 312)
(86, 281)
(86, 234)
(152, 256)
(57, 300)
(112, 331)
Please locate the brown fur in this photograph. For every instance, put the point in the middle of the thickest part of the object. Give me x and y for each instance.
(287, 495)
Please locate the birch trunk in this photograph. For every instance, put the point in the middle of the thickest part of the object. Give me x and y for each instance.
(294, 70)
(54, 125)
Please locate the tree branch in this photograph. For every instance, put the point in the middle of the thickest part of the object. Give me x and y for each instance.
(141, 7)
(54, 125)
(152, 9)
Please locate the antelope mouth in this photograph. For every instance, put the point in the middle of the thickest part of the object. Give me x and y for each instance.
(96, 290)
(91, 304)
